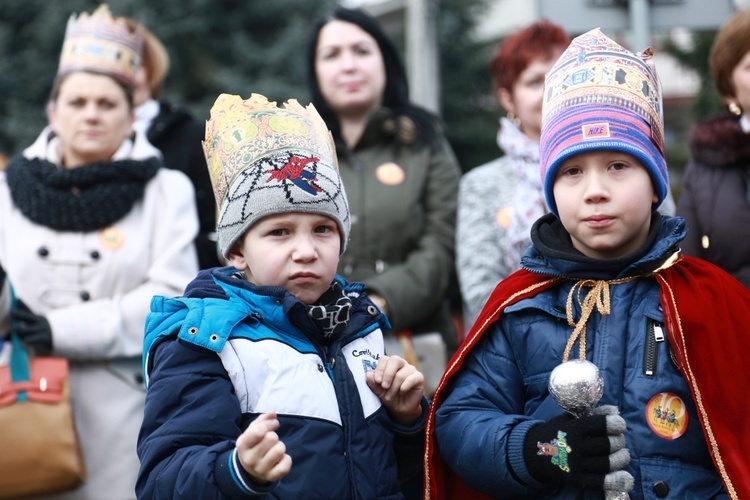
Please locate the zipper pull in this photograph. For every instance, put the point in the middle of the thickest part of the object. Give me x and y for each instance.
(654, 336)
(658, 332)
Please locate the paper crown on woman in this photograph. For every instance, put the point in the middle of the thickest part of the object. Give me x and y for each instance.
(101, 44)
(599, 96)
(265, 160)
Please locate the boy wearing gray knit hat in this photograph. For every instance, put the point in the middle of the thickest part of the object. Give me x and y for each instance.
(266, 160)
(271, 374)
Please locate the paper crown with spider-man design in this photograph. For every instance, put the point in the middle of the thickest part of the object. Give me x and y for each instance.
(266, 160)
(101, 44)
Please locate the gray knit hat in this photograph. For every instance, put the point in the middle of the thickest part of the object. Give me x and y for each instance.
(266, 160)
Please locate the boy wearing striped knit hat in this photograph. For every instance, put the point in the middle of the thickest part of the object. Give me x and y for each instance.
(603, 281)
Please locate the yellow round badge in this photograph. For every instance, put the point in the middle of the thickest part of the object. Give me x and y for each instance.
(111, 238)
(390, 174)
(667, 415)
(502, 217)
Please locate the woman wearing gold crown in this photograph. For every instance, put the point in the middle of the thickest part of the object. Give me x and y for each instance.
(90, 229)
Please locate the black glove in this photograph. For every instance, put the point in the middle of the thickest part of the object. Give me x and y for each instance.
(33, 329)
(587, 452)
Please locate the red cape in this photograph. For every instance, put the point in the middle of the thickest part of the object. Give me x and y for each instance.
(707, 318)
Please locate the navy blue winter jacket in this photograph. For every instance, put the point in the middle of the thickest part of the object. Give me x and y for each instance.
(502, 388)
(229, 351)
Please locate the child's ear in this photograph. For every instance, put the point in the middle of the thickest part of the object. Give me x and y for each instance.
(237, 258)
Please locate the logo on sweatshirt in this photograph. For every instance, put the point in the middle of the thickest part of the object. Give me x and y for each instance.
(369, 365)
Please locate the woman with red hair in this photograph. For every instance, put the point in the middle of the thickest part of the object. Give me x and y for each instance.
(499, 201)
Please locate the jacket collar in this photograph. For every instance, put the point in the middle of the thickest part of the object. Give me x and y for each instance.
(275, 305)
(47, 147)
(552, 252)
(380, 127)
(720, 142)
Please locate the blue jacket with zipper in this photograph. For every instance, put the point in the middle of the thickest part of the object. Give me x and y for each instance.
(229, 351)
(502, 388)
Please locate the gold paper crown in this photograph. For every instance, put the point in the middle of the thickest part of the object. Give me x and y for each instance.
(101, 44)
(239, 133)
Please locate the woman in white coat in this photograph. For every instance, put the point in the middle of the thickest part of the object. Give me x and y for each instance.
(91, 227)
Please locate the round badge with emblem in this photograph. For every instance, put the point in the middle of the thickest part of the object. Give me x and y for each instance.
(390, 174)
(502, 217)
(111, 238)
(667, 415)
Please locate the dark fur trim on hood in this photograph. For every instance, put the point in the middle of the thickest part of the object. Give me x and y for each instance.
(719, 142)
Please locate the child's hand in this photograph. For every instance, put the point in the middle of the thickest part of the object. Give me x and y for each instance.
(399, 386)
(260, 451)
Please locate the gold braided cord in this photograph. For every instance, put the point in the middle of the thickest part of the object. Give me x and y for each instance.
(597, 297)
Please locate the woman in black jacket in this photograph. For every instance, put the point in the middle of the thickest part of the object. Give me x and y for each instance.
(715, 199)
(401, 178)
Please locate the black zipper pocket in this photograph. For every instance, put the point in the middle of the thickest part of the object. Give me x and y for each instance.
(654, 336)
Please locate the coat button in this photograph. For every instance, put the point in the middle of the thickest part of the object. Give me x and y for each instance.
(42, 251)
(661, 489)
(95, 254)
(320, 368)
(85, 296)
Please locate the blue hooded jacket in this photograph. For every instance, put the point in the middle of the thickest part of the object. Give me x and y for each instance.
(501, 390)
(229, 351)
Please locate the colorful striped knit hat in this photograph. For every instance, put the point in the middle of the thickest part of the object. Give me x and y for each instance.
(265, 160)
(600, 96)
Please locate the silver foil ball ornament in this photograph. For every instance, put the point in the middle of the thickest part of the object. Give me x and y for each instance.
(577, 386)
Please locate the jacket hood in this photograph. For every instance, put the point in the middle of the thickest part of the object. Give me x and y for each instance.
(217, 300)
(719, 142)
(552, 253)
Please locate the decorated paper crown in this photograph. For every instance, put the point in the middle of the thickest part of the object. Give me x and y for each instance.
(241, 132)
(101, 44)
(598, 96)
(265, 160)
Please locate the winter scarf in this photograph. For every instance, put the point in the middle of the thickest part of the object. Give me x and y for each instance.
(82, 199)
